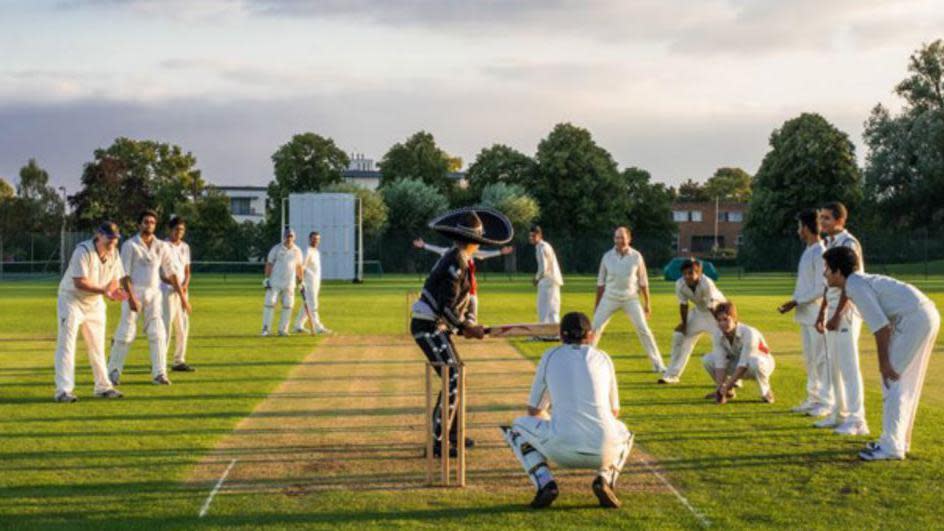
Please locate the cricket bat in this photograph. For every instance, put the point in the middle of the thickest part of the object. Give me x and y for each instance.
(524, 329)
(311, 318)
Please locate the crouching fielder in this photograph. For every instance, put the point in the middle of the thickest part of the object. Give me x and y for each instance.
(905, 323)
(579, 383)
(740, 350)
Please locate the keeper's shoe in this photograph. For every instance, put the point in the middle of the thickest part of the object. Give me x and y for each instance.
(182, 367)
(545, 496)
(110, 393)
(879, 454)
(66, 398)
(161, 379)
(605, 494)
(114, 377)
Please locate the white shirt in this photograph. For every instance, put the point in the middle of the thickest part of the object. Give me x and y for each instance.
(622, 275)
(844, 239)
(143, 263)
(705, 296)
(882, 300)
(284, 262)
(747, 342)
(808, 292)
(548, 269)
(579, 383)
(180, 252)
(311, 267)
(481, 254)
(85, 263)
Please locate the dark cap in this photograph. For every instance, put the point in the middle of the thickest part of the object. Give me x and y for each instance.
(574, 327)
(109, 230)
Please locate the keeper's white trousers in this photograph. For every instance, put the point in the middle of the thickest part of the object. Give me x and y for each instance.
(842, 349)
(310, 298)
(633, 309)
(272, 296)
(91, 322)
(608, 457)
(909, 351)
(819, 390)
(150, 306)
(696, 324)
(759, 367)
(548, 302)
(176, 324)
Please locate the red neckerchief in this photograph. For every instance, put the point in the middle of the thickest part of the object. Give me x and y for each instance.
(472, 284)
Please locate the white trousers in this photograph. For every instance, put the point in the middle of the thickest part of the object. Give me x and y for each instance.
(548, 302)
(176, 324)
(608, 457)
(759, 367)
(272, 296)
(909, 351)
(73, 319)
(150, 306)
(697, 323)
(310, 298)
(818, 387)
(842, 348)
(633, 309)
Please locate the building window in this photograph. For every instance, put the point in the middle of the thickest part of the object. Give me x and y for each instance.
(680, 216)
(730, 217)
(241, 206)
(696, 216)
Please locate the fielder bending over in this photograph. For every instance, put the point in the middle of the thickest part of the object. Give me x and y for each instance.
(283, 270)
(740, 350)
(577, 383)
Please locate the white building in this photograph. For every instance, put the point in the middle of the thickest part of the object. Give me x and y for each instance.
(247, 203)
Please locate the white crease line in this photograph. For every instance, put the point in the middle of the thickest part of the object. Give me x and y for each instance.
(209, 500)
(705, 522)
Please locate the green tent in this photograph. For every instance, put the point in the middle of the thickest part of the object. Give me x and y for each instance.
(673, 270)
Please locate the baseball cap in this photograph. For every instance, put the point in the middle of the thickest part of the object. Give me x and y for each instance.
(109, 230)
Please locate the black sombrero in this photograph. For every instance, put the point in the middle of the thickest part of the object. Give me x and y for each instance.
(474, 224)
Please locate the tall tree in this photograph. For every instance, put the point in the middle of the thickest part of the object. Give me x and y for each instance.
(650, 214)
(374, 211)
(42, 206)
(692, 191)
(306, 163)
(810, 162)
(904, 171)
(412, 204)
(499, 164)
(514, 202)
(6, 190)
(418, 158)
(729, 184)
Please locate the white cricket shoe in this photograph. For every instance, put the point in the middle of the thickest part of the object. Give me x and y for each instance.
(879, 454)
(818, 410)
(804, 407)
(852, 427)
(827, 422)
(669, 380)
(265, 332)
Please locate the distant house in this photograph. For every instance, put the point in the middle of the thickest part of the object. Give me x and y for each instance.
(361, 172)
(706, 228)
(247, 203)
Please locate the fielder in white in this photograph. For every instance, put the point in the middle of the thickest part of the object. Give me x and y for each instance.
(94, 270)
(176, 319)
(578, 384)
(807, 299)
(696, 288)
(621, 280)
(311, 280)
(739, 351)
(283, 269)
(840, 321)
(548, 278)
(144, 258)
(905, 323)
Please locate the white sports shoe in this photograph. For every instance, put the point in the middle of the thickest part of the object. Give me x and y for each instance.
(827, 422)
(818, 411)
(878, 454)
(852, 427)
(804, 407)
(265, 332)
(669, 380)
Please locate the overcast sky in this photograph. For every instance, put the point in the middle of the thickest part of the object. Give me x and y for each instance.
(678, 87)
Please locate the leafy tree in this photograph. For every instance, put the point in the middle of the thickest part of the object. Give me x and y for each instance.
(693, 191)
(41, 207)
(499, 164)
(650, 214)
(6, 191)
(729, 184)
(307, 163)
(412, 204)
(211, 229)
(904, 172)
(418, 158)
(373, 209)
(131, 175)
(810, 162)
(514, 202)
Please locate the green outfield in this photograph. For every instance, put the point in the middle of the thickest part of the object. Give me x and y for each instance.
(126, 463)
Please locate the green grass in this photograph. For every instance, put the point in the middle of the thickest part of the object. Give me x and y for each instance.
(122, 463)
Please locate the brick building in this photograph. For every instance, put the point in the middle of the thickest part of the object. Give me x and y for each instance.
(705, 226)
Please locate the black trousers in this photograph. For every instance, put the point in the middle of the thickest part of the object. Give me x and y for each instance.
(437, 345)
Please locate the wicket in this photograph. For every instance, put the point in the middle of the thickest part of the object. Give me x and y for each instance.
(411, 297)
(449, 416)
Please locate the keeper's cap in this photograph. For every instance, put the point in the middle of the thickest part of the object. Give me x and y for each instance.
(574, 327)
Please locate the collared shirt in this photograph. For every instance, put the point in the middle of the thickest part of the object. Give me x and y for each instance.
(882, 300)
(808, 292)
(311, 266)
(705, 296)
(622, 275)
(180, 253)
(86, 263)
(548, 268)
(285, 261)
(746, 342)
(844, 239)
(579, 383)
(144, 263)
